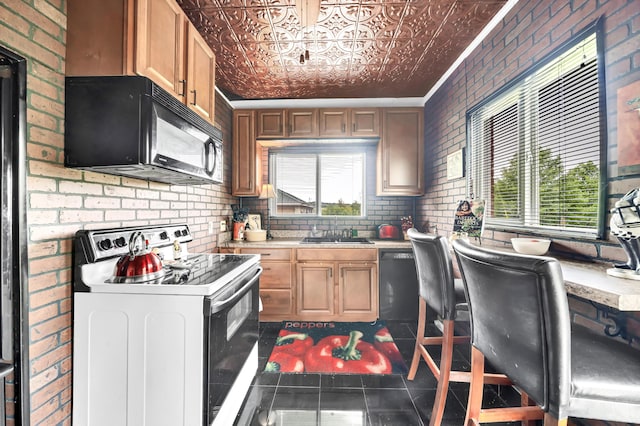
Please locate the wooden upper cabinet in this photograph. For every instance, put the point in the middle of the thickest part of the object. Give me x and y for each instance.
(334, 122)
(201, 75)
(152, 38)
(365, 122)
(400, 159)
(246, 156)
(303, 123)
(337, 122)
(271, 123)
(160, 44)
(99, 37)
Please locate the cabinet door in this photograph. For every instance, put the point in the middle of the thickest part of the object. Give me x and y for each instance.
(303, 123)
(97, 35)
(160, 44)
(271, 123)
(201, 68)
(365, 122)
(333, 122)
(246, 172)
(315, 290)
(358, 291)
(401, 153)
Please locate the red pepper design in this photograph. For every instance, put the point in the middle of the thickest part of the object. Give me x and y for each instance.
(284, 362)
(346, 354)
(384, 343)
(293, 343)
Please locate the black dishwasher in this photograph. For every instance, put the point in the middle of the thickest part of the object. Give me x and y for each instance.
(398, 285)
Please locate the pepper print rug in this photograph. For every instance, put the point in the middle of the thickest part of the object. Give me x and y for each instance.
(335, 348)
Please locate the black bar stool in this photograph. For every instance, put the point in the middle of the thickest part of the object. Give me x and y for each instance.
(445, 295)
(520, 323)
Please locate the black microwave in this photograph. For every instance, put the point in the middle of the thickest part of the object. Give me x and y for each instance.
(129, 126)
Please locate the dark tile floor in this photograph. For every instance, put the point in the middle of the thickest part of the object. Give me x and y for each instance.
(350, 400)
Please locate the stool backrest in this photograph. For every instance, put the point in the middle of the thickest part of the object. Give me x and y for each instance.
(520, 319)
(435, 272)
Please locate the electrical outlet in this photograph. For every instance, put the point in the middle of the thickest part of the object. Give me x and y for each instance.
(223, 226)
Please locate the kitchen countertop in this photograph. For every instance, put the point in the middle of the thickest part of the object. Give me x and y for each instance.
(588, 281)
(295, 243)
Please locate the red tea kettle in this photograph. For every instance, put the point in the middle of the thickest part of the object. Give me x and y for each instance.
(140, 265)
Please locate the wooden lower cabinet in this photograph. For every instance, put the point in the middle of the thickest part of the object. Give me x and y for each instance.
(315, 288)
(276, 282)
(317, 284)
(337, 285)
(358, 292)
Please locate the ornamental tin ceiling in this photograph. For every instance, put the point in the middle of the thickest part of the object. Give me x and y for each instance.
(357, 48)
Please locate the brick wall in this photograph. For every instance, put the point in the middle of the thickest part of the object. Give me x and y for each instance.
(531, 30)
(61, 201)
(528, 33)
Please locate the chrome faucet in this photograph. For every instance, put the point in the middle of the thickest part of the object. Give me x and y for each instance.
(332, 232)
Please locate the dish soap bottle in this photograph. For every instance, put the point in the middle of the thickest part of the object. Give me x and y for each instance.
(177, 250)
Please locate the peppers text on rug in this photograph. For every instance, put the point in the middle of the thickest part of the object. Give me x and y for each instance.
(335, 348)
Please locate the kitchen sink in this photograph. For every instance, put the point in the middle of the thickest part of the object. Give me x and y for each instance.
(335, 240)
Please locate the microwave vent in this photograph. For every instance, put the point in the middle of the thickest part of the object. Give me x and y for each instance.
(164, 98)
(150, 172)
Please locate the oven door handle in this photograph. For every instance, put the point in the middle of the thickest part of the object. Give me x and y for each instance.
(218, 306)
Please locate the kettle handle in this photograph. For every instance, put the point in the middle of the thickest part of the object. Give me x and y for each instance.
(135, 249)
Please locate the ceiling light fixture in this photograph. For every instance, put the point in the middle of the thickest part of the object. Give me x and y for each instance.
(308, 11)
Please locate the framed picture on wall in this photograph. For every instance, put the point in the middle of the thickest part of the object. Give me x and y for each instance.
(254, 221)
(629, 129)
(455, 165)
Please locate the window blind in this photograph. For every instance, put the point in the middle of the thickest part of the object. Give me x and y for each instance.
(535, 148)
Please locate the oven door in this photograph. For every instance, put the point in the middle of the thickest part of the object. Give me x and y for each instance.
(231, 331)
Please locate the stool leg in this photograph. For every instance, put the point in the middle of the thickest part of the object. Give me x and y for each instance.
(422, 319)
(476, 387)
(445, 372)
(550, 420)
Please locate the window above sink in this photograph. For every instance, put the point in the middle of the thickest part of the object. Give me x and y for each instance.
(318, 181)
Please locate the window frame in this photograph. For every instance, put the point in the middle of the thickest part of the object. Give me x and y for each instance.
(511, 89)
(319, 150)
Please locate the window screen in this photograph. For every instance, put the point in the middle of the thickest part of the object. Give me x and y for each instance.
(535, 149)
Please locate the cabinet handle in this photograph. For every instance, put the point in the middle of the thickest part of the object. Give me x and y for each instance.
(194, 97)
(330, 272)
(344, 127)
(265, 254)
(353, 127)
(184, 86)
(266, 269)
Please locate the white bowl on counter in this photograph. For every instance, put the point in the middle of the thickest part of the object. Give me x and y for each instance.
(534, 246)
(255, 235)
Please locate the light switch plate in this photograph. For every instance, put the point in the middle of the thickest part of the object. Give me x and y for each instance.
(223, 226)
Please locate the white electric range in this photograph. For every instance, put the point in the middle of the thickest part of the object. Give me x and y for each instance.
(175, 350)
